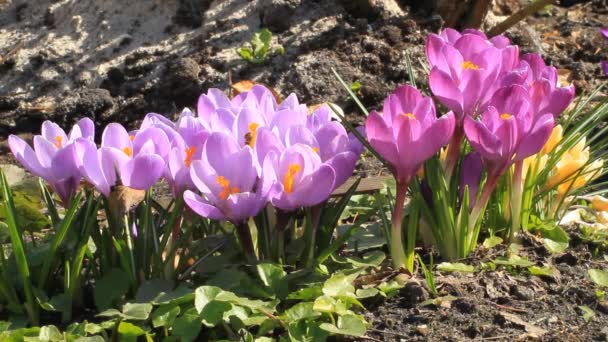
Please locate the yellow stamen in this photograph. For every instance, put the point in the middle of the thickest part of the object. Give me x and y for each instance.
(226, 189)
(468, 65)
(251, 135)
(316, 150)
(58, 141)
(289, 175)
(189, 154)
(409, 115)
(128, 151)
(131, 137)
(505, 116)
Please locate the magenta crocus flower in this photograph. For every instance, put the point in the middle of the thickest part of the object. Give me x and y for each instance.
(508, 131)
(136, 161)
(546, 96)
(408, 132)
(465, 67)
(55, 157)
(228, 180)
(470, 176)
(302, 179)
(604, 64)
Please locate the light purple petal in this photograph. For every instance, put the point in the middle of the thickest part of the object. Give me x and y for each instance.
(26, 156)
(142, 171)
(201, 206)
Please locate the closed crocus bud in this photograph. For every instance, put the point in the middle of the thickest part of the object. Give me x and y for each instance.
(599, 203)
(570, 162)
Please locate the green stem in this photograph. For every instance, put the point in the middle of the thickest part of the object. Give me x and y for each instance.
(244, 234)
(315, 218)
(130, 248)
(479, 209)
(516, 197)
(396, 243)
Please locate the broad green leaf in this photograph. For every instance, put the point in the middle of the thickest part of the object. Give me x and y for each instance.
(351, 325)
(4, 325)
(90, 339)
(307, 293)
(109, 313)
(306, 331)
(110, 288)
(150, 290)
(303, 310)
(588, 313)
(492, 242)
(555, 246)
(165, 315)
(50, 333)
(545, 271)
(390, 288)
(187, 327)
(213, 313)
(455, 267)
(373, 258)
(129, 332)
(340, 284)
(181, 295)
(513, 260)
(599, 277)
(325, 304)
(273, 276)
(19, 335)
(204, 295)
(136, 311)
(367, 293)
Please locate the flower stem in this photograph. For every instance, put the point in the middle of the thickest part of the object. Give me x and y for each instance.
(480, 207)
(244, 234)
(516, 196)
(453, 153)
(396, 243)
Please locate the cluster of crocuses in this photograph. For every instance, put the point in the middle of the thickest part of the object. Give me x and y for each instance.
(228, 161)
(505, 104)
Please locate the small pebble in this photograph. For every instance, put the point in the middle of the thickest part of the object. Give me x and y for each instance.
(422, 329)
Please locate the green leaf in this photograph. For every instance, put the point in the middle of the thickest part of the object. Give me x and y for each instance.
(455, 267)
(492, 242)
(340, 284)
(370, 259)
(390, 288)
(324, 304)
(90, 339)
(187, 327)
(150, 290)
(588, 313)
(181, 295)
(205, 295)
(367, 293)
(110, 288)
(545, 271)
(50, 333)
(129, 332)
(304, 310)
(555, 246)
(273, 276)
(355, 86)
(165, 315)
(246, 53)
(599, 277)
(136, 311)
(513, 260)
(213, 312)
(351, 325)
(306, 331)
(307, 293)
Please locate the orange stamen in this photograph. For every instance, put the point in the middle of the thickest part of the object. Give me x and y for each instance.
(468, 65)
(131, 137)
(58, 141)
(189, 154)
(128, 151)
(226, 189)
(505, 116)
(252, 134)
(409, 115)
(289, 175)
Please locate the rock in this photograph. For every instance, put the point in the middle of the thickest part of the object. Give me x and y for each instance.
(422, 329)
(180, 81)
(413, 293)
(276, 14)
(86, 102)
(522, 292)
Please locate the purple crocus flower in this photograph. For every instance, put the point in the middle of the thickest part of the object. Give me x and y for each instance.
(408, 132)
(472, 168)
(302, 179)
(604, 64)
(508, 131)
(465, 67)
(55, 157)
(136, 161)
(546, 96)
(228, 180)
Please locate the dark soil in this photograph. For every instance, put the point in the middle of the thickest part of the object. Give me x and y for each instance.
(362, 43)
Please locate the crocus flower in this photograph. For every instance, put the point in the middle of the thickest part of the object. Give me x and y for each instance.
(228, 180)
(470, 177)
(604, 64)
(303, 180)
(508, 131)
(136, 161)
(465, 67)
(55, 157)
(408, 132)
(573, 171)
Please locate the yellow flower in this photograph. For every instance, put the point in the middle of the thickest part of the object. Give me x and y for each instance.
(556, 136)
(599, 203)
(590, 172)
(570, 163)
